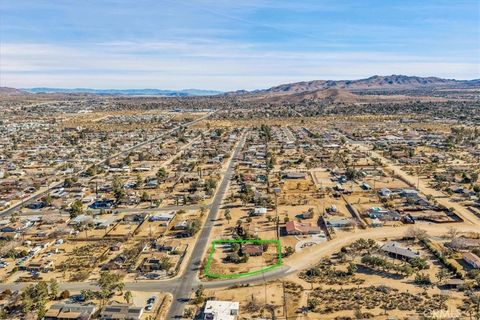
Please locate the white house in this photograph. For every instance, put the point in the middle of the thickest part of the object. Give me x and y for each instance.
(221, 310)
(259, 211)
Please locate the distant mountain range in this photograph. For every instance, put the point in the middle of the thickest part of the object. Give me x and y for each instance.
(375, 88)
(392, 82)
(330, 90)
(6, 91)
(127, 92)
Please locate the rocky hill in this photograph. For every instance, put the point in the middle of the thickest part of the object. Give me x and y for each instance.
(6, 91)
(385, 83)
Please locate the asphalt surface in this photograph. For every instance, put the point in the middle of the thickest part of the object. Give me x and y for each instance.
(171, 285)
(28, 212)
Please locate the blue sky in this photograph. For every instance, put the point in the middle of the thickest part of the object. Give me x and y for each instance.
(229, 45)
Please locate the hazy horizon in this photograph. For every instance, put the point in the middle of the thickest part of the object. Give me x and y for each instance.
(255, 44)
(199, 89)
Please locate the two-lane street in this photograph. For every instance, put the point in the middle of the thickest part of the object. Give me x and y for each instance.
(189, 280)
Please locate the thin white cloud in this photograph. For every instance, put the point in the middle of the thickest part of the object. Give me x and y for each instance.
(202, 64)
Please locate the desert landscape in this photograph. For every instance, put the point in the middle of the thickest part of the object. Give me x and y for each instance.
(240, 160)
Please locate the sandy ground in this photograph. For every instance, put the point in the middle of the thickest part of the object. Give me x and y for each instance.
(425, 189)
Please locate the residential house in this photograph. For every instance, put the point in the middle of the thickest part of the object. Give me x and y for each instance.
(462, 243)
(341, 223)
(376, 223)
(394, 249)
(16, 226)
(70, 311)
(121, 311)
(40, 266)
(102, 204)
(181, 225)
(221, 310)
(103, 223)
(409, 193)
(295, 175)
(252, 249)
(383, 214)
(385, 192)
(166, 245)
(298, 228)
(259, 211)
(134, 218)
(307, 214)
(472, 259)
(164, 218)
(151, 264)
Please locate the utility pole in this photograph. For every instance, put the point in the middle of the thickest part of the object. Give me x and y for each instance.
(276, 213)
(265, 288)
(285, 311)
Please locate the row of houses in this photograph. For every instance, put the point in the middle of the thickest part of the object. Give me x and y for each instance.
(213, 310)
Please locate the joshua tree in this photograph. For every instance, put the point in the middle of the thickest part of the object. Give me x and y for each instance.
(127, 296)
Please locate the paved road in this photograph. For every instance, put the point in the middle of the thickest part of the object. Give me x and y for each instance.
(41, 193)
(28, 212)
(189, 280)
(171, 285)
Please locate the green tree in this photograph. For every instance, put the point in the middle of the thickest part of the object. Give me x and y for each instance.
(199, 295)
(145, 197)
(34, 298)
(76, 208)
(422, 279)
(139, 183)
(87, 294)
(91, 171)
(419, 263)
(117, 188)
(161, 174)
(227, 215)
(53, 288)
(41, 309)
(65, 294)
(127, 296)
(109, 283)
(289, 251)
(47, 199)
(203, 210)
(165, 263)
(312, 303)
(442, 274)
(352, 268)
(193, 227)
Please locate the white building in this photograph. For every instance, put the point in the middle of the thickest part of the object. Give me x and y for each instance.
(259, 211)
(221, 310)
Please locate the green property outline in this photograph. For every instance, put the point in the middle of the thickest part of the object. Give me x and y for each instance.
(243, 274)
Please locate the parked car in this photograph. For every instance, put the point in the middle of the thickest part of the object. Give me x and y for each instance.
(151, 300)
